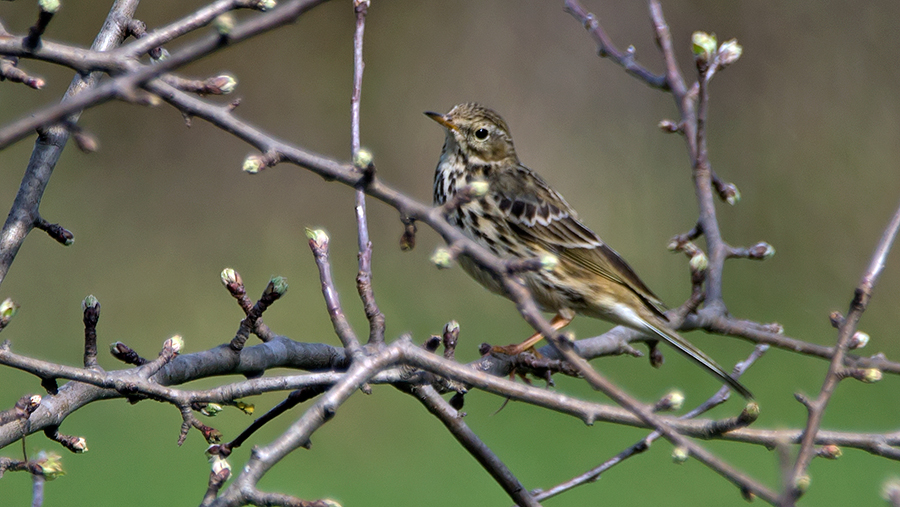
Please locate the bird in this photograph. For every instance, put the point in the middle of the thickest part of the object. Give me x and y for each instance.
(521, 216)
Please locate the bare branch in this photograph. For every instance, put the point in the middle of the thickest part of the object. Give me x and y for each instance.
(452, 420)
(606, 49)
(817, 407)
(24, 214)
(318, 243)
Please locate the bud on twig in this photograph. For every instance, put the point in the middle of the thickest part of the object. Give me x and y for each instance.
(729, 193)
(749, 414)
(230, 277)
(363, 159)
(669, 126)
(49, 6)
(761, 251)
(729, 52)
(211, 409)
(774, 327)
(680, 455)
(865, 375)
(317, 237)
(408, 239)
(221, 85)
(859, 340)
(277, 287)
(224, 24)
(85, 142)
(829, 451)
(176, 343)
(90, 302)
(253, 164)
(8, 309)
(703, 45)
(670, 402)
(266, 5)
(871, 375)
(699, 262)
(802, 482)
(837, 319)
(219, 465)
(79, 445)
(478, 188)
(442, 258)
(451, 327)
(50, 465)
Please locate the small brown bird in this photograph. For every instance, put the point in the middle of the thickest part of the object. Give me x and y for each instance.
(520, 216)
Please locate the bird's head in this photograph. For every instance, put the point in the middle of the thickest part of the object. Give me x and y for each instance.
(479, 132)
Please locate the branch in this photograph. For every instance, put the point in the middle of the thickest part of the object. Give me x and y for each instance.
(452, 420)
(817, 407)
(606, 49)
(362, 160)
(642, 445)
(47, 149)
(298, 435)
(318, 243)
(126, 85)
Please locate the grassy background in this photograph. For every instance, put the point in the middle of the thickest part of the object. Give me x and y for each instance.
(806, 125)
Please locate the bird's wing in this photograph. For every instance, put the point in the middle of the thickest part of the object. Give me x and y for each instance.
(536, 211)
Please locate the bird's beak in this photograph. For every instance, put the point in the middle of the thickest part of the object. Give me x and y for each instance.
(438, 117)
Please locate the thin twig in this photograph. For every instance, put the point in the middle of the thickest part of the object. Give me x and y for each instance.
(318, 243)
(641, 445)
(816, 407)
(365, 165)
(470, 441)
(606, 49)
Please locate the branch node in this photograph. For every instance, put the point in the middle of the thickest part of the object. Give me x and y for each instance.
(62, 235)
(126, 354)
(804, 401)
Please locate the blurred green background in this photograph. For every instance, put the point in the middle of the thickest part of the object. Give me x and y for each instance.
(805, 124)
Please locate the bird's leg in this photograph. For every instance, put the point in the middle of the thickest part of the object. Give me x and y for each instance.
(559, 321)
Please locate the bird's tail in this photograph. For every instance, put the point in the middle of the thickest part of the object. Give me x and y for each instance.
(696, 355)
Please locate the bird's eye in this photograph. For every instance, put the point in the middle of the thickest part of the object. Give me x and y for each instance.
(481, 134)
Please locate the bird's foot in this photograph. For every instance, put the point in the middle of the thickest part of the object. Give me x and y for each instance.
(515, 349)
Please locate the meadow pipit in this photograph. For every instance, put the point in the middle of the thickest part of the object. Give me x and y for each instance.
(522, 217)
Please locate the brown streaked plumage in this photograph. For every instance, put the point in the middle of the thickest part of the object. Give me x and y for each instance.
(522, 217)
